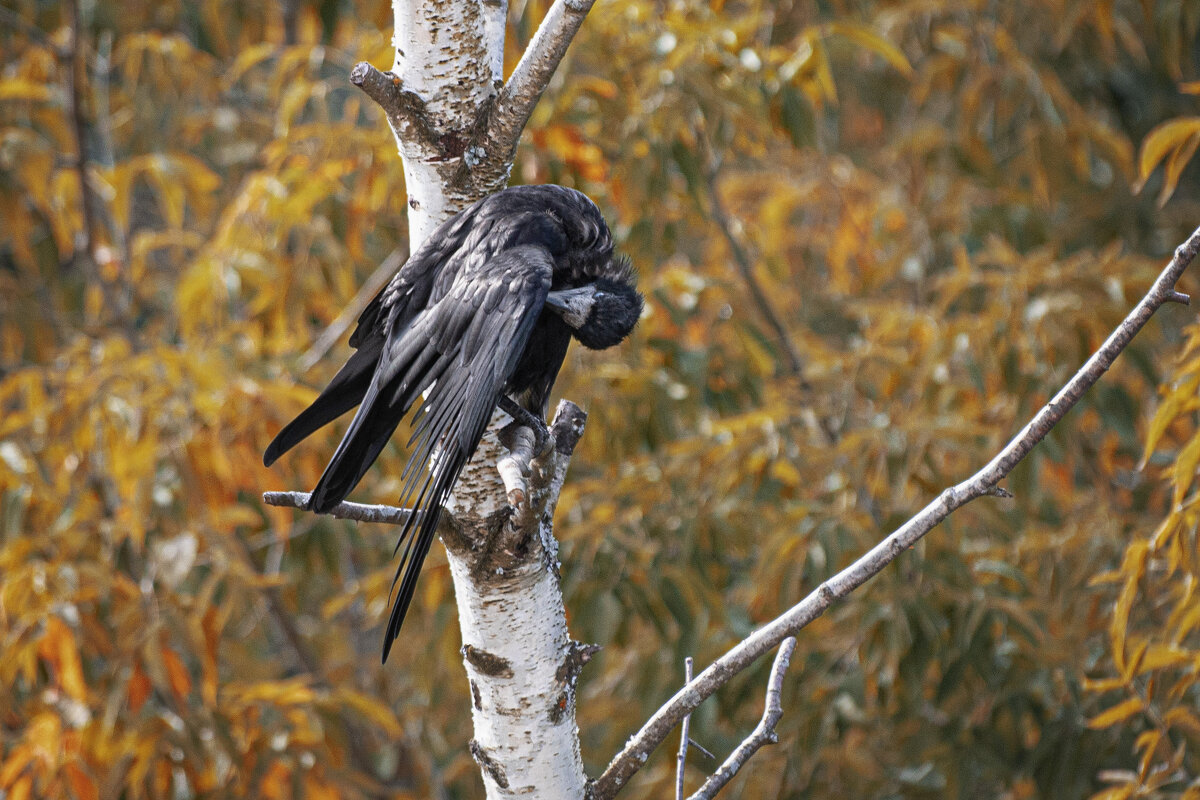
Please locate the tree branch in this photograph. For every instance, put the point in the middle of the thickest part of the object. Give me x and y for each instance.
(532, 75)
(403, 107)
(763, 734)
(388, 515)
(745, 268)
(379, 278)
(77, 73)
(983, 482)
(681, 759)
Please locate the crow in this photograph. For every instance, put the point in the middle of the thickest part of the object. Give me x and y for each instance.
(480, 316)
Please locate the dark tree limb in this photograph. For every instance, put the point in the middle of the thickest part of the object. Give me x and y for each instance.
(984, 482)
(77, 77)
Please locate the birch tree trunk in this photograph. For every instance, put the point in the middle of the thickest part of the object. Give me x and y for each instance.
(457, 125)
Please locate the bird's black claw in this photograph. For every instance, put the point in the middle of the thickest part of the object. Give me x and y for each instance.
(525, 419)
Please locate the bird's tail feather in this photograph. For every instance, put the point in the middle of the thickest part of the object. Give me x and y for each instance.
(390, 395)
(364, 440)
(343, 393)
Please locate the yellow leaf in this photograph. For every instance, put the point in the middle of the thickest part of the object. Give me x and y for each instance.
(1103, 684)
(1162, 140)
(1118, 713)
(58, 649)
(824, 74)
(1185, 468)
(21, 89)
(372, 709)
(1133, 567)
(1182, 717)
(1161, 656)
(1175, 164)
(17, 760)
(247, 59)
(1181, 399)
(21, 789)
(862, 35)
(785, 472)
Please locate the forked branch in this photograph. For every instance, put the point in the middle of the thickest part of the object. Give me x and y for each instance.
(983, 482)
(763, 734)
(532, 74)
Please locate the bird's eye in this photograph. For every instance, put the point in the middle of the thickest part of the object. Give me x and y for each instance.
(600, 295)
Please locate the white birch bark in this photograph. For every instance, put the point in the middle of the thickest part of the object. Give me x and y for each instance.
(457, 126)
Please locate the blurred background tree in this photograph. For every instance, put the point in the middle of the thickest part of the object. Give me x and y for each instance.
(874, 237)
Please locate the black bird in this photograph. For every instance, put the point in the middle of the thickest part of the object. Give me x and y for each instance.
(479, 316)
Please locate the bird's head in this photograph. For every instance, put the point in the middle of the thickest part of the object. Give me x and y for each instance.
(601, 314)
(615, 309)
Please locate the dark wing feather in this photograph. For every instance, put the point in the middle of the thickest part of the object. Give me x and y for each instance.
(343, 393)
(461, 350)
(392, 309)
(478, 359)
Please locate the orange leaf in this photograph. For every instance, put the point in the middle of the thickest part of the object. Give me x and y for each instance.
(57, 648)
(139, 688)
(82, 785)
(212, 637)
(177, 674)
(276, 784)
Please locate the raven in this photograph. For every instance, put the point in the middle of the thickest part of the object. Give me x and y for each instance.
(479, 316)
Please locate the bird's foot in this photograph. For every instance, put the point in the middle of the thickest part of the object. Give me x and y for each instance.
(525, 419)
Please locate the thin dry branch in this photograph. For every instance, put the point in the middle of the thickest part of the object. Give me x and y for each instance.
(681, 759)
(763, 734)
(77, 77)
(389, 515)
(379, 278)
(745, 268)
(983, 482)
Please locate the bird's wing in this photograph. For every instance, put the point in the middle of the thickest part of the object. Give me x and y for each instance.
(391, 310)
(461, 350)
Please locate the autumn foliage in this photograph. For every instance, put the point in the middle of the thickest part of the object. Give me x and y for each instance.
(874, 238)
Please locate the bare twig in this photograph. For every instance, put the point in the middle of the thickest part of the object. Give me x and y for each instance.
(639, 746)
(763, 734)
(745, 268)
(358, 743)
(379, 278)
(77, 75)
(532, 75)
(684, 740)
(389, 515)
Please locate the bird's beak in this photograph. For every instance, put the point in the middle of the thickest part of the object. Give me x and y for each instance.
(573, 305)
